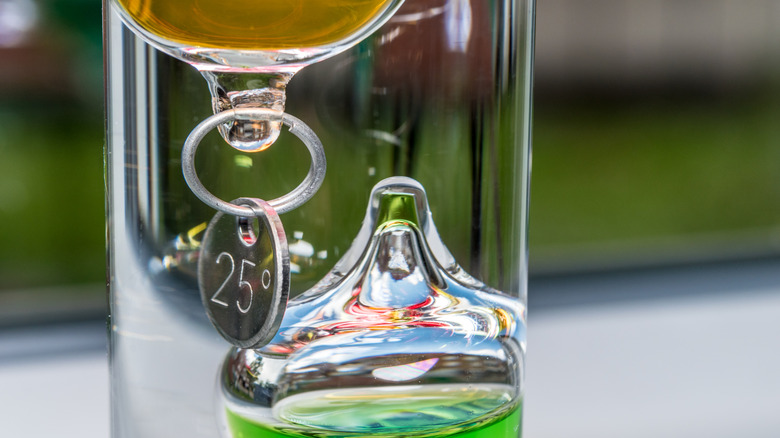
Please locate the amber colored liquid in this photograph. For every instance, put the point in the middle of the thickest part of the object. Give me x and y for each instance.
(254, 24)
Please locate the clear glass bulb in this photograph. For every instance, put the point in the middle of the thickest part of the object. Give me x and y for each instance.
(397, 340)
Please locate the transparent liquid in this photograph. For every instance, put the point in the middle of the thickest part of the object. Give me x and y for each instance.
(467, 146)
(254, 24)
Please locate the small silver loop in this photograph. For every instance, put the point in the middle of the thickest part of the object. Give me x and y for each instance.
(297, 197)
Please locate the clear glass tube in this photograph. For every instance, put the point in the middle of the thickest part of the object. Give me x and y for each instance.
(441, 95)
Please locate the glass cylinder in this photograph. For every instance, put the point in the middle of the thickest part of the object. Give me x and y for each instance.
(408, 266)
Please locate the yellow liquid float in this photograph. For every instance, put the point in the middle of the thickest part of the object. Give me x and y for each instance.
(254, 24)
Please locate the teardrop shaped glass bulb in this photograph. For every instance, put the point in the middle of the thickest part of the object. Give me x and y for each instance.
(396, 339)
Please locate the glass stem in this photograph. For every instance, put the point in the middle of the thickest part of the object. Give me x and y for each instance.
(249, 90)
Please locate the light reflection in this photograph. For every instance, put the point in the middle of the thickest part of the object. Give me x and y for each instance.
(457, 17)
(400, 373)
(18, 19)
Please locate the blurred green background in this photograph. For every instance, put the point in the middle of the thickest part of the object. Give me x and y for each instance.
(655, 141)
(52, 237)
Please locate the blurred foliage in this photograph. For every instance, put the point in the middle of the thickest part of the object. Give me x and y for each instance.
(51, 196)
(51, 137)
(678, 170)
(81, 17)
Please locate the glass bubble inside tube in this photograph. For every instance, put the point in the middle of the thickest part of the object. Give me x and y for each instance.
(397, 340)
(248, 50)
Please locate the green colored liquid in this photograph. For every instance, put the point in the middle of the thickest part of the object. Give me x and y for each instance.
(505, 426)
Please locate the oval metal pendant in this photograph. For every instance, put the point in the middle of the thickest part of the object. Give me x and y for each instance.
(244, 274)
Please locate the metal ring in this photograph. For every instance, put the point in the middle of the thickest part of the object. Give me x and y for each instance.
(305, 190)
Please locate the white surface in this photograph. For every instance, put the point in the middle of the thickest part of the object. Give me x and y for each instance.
(693, 367)
(63, 397)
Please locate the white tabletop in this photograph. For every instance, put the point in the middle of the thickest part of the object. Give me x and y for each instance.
(698, 365)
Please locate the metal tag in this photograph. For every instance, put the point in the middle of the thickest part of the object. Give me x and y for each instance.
(244, 274)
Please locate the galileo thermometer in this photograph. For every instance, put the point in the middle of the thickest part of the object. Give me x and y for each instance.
(317, 215)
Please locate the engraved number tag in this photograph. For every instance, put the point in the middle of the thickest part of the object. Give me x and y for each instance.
(244, 274)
